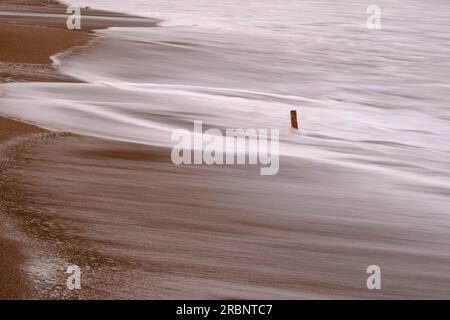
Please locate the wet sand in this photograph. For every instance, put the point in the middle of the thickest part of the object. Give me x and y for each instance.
(140, 227)
(16, 40)
(12, 281)
(11, 129)
(32, 31)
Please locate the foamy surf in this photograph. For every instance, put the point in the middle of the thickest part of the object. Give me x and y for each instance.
(173, 77)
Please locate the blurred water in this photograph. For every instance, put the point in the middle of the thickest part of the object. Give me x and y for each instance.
(373, 99)
(368, 181)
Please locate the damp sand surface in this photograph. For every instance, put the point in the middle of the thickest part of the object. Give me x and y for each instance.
(140, 227)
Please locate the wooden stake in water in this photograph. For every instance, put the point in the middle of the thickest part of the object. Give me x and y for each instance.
(294, 123)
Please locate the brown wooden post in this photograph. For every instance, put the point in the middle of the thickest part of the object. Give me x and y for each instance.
(294, 123)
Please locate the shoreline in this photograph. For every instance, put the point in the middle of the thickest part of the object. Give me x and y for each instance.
(38, 31)
(140, 227)
(28, 42)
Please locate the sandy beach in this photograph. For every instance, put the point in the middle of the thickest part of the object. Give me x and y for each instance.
(28, 46)
(31, 32)
(17, 39)
(141, 227)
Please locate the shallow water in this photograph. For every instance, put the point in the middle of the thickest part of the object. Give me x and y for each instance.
(367, 181)
(140, 227)
(376, 99)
